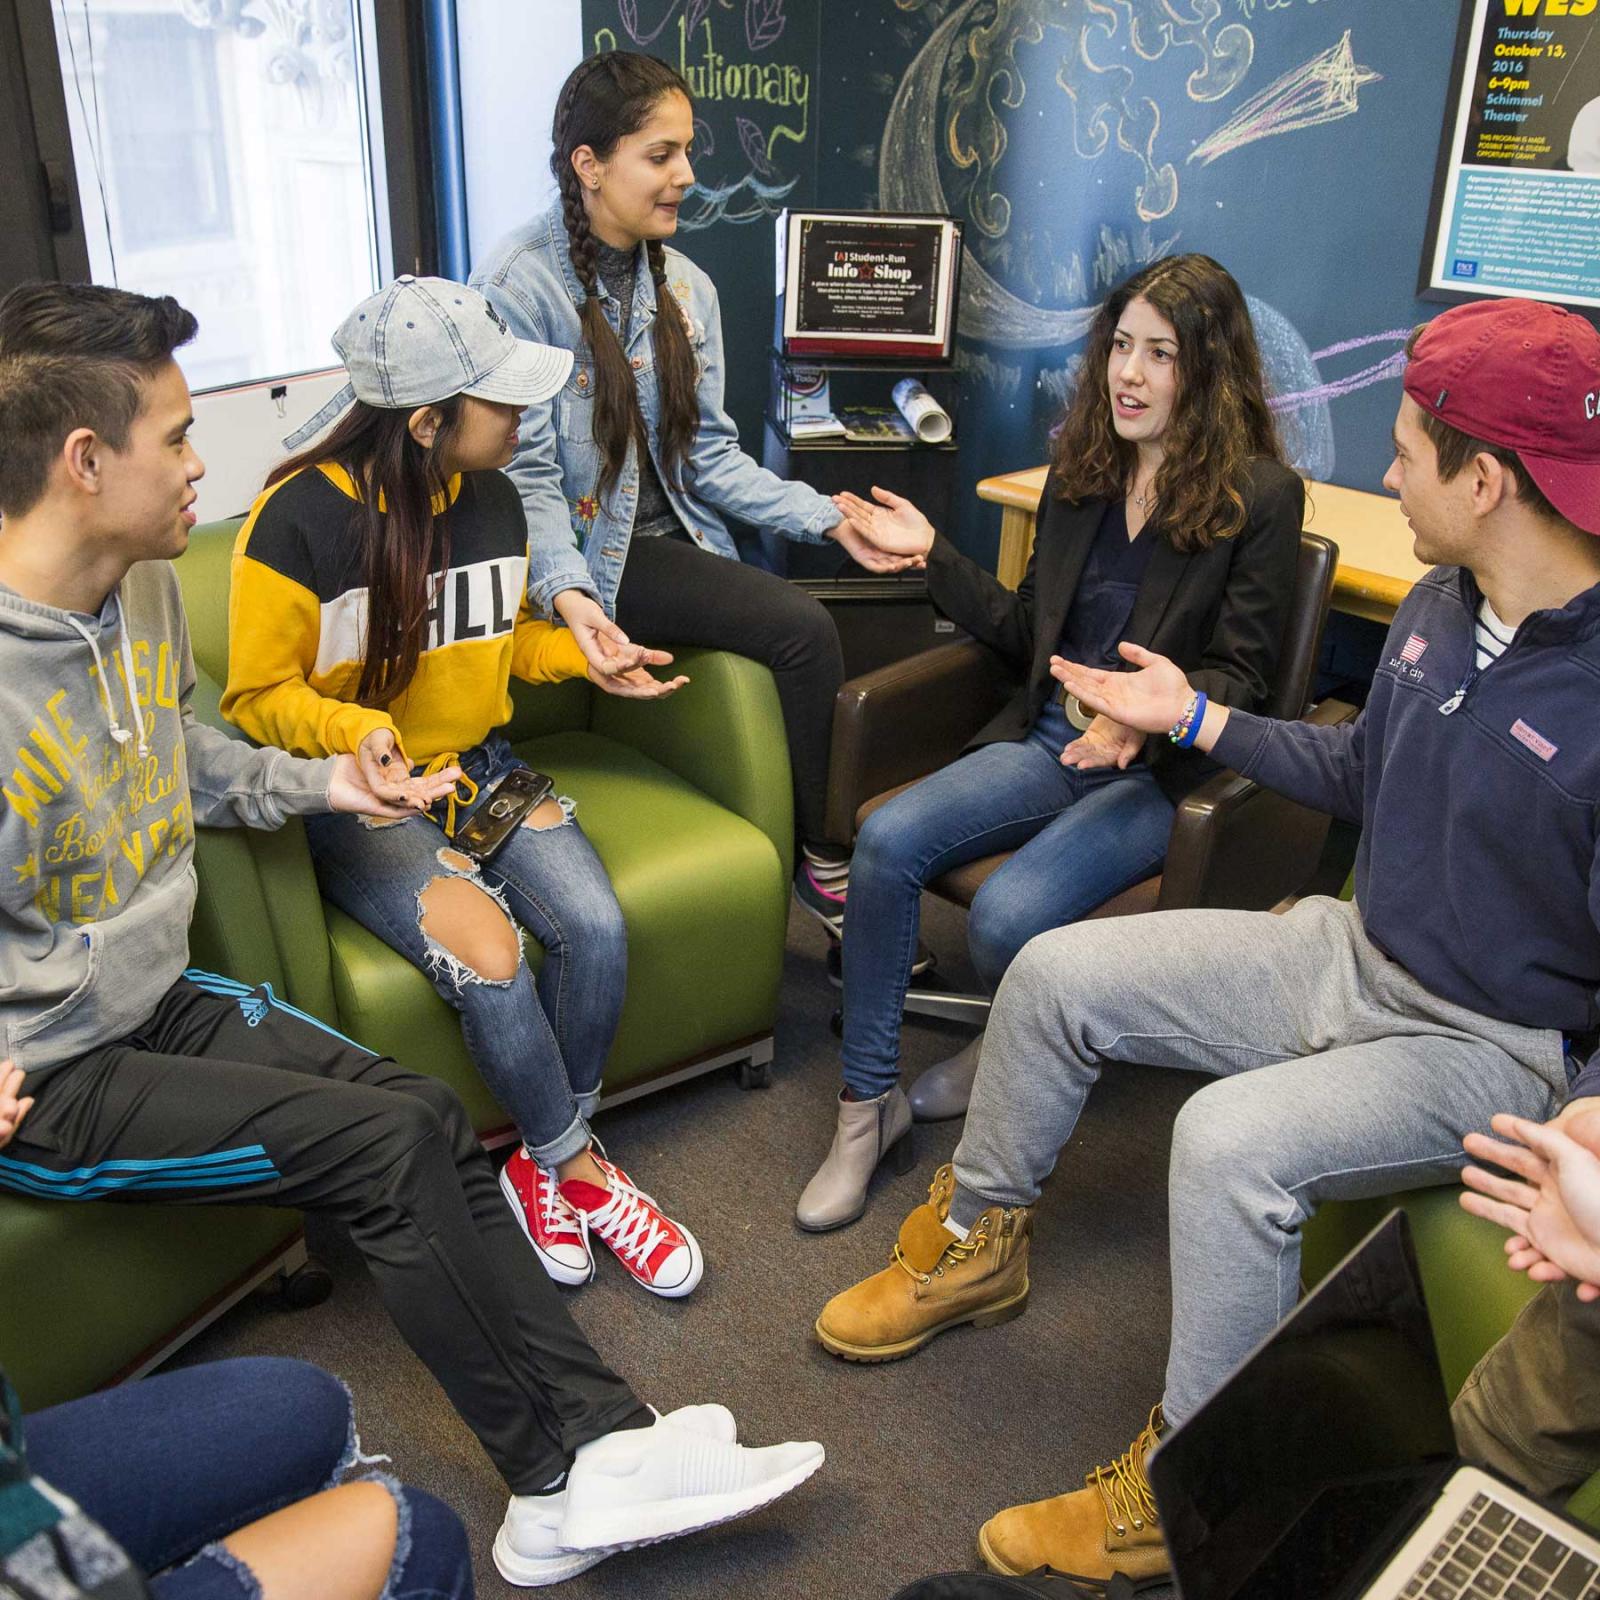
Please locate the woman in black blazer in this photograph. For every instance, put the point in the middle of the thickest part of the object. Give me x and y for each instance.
(1170, 520)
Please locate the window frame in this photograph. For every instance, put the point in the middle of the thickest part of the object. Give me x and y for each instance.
(33, 101)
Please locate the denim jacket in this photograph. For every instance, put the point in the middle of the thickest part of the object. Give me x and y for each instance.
(575, 542)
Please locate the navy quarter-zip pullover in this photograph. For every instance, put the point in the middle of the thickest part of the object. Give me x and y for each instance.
(1478, 796)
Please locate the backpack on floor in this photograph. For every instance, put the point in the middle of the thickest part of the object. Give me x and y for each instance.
(1045, 1584)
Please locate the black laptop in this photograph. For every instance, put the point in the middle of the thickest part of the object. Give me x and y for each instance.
(1325, 1468)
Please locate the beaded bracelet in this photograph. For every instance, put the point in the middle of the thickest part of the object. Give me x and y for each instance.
(1187, 728)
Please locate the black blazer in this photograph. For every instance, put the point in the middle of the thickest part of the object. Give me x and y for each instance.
(1220, 613)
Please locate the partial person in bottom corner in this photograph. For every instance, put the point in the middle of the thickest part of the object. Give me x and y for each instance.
(226, 1481)
(1531, 1407)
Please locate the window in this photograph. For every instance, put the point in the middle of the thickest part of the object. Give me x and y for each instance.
(167, 166)
(223, 152)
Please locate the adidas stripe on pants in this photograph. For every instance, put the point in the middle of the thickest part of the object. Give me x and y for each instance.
(227, 1095)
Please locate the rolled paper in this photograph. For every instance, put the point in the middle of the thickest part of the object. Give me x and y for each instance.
(929, 420)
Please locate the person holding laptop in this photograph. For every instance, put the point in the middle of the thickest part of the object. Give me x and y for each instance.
(1353, 1044)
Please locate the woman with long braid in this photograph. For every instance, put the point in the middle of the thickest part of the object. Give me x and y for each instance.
(627, 495)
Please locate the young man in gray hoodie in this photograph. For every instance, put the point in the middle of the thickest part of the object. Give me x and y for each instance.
(153, 1081)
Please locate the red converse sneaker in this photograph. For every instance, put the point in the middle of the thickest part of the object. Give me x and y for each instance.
(661, 1255)
(556, 1232)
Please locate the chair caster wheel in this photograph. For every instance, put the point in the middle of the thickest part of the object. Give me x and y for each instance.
(308, 1286)
(753, 1075)
(836, 1022)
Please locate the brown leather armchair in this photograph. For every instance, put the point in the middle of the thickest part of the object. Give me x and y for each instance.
(1233, 843)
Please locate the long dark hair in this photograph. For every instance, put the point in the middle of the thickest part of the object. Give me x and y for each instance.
(1220, 419)
(404, 542)
(603, 100)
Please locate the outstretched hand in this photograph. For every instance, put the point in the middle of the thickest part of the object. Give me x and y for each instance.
(351, 789)
(597, 636)
(626, 674)
(1552, 1204)
(864, 553)
(1104, 743)
(14, 1105)
(1151, 699)
(894, 525)
(383, 760)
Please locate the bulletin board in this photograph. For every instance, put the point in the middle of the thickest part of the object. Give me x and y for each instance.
(1516, 202)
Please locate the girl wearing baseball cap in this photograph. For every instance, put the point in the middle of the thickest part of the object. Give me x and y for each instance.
(378, 609)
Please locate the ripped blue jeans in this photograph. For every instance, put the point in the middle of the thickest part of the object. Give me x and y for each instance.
(540, 1044)
(171, 1465)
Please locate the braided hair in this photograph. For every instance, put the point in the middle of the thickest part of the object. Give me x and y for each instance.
(604, 99)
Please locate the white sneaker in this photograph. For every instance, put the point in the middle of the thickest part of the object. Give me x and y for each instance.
(643, 1485)
(527, 1549)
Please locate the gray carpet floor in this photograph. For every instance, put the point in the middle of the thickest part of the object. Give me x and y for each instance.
(919, 1451)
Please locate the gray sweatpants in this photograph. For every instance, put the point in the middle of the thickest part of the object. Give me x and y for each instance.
(1339, 1077)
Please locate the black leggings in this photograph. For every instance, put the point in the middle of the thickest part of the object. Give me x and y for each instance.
(674, 593)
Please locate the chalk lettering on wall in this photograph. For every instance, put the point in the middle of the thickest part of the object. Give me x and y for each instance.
(753, 109)
(1320, 90)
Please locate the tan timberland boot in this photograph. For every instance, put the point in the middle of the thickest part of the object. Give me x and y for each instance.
(1108, 1526)
(936, 1281)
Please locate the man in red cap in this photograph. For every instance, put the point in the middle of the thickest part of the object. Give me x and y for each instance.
(1353, 1044)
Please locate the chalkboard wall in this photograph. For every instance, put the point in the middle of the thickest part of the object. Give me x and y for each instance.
(1294, 140)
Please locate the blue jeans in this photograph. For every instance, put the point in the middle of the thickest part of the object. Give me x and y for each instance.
(1079, 838)
(170, 1465)
(1338, 1077)
(541, 1046)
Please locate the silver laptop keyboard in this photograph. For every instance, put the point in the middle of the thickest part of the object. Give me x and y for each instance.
(1489, 1551)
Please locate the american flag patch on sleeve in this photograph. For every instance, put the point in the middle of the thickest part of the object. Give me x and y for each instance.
(1411, 651)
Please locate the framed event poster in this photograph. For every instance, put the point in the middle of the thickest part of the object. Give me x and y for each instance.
(1516, 200)
(860, 283)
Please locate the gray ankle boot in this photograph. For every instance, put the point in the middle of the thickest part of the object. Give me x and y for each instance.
(868, 1131)
(946, 1087)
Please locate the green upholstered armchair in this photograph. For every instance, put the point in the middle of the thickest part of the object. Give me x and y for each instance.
(688, 803)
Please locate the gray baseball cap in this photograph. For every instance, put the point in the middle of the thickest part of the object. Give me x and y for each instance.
(422, 340)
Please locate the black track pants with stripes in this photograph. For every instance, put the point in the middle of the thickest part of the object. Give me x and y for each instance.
(226, 1095)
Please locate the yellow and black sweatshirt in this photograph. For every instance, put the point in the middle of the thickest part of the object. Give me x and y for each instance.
(297, 622)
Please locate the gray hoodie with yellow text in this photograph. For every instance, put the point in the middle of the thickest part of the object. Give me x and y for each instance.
(104, 776)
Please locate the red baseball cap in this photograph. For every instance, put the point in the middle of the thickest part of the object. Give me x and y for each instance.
(1525, 375)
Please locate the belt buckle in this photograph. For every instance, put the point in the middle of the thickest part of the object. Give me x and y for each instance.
(1078, 714)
